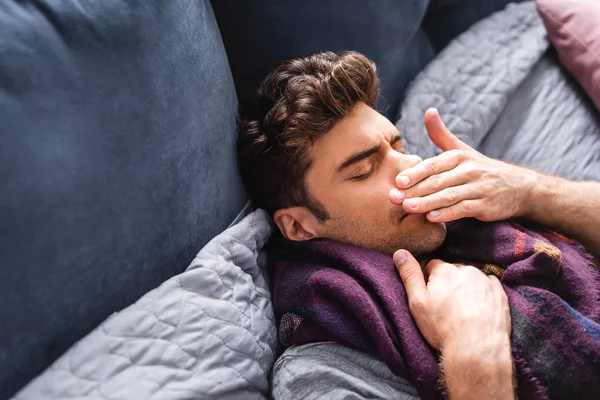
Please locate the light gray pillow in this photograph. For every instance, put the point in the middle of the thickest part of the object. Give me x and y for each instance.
(472, 80)
(500, 89)
(208, 333)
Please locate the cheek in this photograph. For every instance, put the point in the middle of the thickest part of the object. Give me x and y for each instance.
(369, 199)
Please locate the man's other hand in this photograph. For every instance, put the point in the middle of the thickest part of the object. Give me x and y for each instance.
(456, 304)
(461, 182)
(464, 314)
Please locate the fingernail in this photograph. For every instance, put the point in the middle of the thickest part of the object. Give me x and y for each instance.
(398, 195)
(434, 214)
(405, 180)
(399, 257)
(411, 203)
(431, 112)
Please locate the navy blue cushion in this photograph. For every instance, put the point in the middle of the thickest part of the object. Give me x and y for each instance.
(117, 162)
(447, 19)
(258, 35)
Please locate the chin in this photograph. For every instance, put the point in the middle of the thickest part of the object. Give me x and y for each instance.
(424, 236)
(437, 235)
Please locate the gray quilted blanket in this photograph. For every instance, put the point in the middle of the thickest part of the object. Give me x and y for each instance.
(500, 88)
(207, 333)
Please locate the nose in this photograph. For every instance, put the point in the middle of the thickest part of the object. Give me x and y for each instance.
(410, 160)
(404, 161)
(401, 162)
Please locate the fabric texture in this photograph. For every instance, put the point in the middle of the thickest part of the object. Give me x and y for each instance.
(331, 371)
(117, 162)
(500, 88)
(446, 19)
(474, 78)
(574, 29)
(207, 333)
(259, 35)
(331, 291)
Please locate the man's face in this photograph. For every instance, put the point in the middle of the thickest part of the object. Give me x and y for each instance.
(353, 170)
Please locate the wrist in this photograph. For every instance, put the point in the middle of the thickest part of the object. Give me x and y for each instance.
(479, 369)
(534, 184)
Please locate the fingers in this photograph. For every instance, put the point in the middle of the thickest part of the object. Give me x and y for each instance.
(440, 134)
(495, 281)
(500, 294)
(411, 274)
(497, 288)
(430, 185)
(443, 199)
(438, 268)
(463, 209)
(432, 166)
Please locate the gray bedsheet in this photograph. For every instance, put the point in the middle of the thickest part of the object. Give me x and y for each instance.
(500, 88)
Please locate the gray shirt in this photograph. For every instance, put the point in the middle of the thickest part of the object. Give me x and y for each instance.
(331, 371)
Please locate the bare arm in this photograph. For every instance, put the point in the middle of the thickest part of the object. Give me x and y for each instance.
(570, 208)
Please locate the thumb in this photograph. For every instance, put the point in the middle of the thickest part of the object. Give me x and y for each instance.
(410, 273)
(440, 134)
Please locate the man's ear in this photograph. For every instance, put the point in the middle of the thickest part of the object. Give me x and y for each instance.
(296, 223)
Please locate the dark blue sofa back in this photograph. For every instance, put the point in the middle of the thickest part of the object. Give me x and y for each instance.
(258, 35)
(117, 162)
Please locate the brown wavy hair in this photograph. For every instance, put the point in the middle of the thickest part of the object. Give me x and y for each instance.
(295, 105)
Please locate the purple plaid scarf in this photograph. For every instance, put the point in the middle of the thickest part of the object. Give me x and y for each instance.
(330, 291)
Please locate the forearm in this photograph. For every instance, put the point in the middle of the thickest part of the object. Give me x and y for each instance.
(479, 372)
(570, 208)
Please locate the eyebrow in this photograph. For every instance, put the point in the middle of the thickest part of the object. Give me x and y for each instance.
(358, 157)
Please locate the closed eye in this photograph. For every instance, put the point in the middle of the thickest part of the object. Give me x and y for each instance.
(365, 175)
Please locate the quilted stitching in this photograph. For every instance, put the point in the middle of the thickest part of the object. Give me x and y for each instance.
(500, 89)
(204, 334)
(471, 81)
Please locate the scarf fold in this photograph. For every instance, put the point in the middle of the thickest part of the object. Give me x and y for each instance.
(325, 290)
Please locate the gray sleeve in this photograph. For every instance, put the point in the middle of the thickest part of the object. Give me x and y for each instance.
(332, 371)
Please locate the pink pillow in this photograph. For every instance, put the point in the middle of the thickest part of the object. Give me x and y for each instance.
(574, 29)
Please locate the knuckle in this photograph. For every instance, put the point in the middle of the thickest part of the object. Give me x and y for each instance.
(451, 195)
(416, 305)
(434, 166)
(487, 187)
(473, 173)
(435, 181)
(432, 265)
(411, 191)
(449, 212)
(434, 262)
(457, 154)
(478, 210)
(483, 217)
(467, 207)
(407, 274)
(413, 176)
(466, 155)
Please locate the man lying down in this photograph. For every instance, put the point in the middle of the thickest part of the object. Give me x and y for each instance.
(363, 318)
